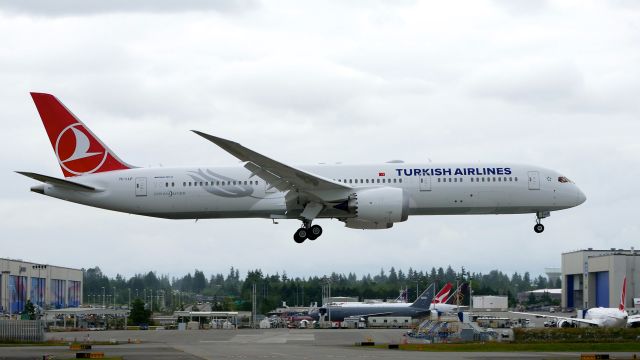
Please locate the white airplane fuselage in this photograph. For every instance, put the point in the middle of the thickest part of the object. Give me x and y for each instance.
(232, 192)
(608, 317)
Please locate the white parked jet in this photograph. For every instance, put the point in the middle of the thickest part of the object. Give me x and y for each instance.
(601, 317)
(361, 196)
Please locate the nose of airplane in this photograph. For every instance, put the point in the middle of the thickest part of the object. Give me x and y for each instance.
(581, 197)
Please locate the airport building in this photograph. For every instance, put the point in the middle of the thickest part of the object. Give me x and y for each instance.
(593, 278)
(46, 286)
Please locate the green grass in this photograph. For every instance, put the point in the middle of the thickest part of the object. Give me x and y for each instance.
(504, 347)
(50, 343)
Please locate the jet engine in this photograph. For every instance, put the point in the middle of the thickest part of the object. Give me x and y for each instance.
(566, 324)
(376, 208)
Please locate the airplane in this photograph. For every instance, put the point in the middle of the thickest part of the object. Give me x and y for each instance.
(339, 311)
(361, 196)
(440, 302)
(421, 307)
(600, 317)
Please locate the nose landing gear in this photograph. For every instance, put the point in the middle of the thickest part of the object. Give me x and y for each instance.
(538, 227)
(307, 231)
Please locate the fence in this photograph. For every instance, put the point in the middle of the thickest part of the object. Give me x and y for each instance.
(21, 330)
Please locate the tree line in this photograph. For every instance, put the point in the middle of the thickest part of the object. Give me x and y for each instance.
(231, 292)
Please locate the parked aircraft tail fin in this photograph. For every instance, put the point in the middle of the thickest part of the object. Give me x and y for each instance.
(423, 301)
(442, 295)
(77, 149)
(623, 294)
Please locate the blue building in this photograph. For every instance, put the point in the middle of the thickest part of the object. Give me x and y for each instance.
(47, 286)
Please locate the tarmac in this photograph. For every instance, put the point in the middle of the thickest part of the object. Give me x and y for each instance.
(255, 344)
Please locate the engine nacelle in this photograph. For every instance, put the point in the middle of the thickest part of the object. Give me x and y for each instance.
(566, 324)
(377, 208)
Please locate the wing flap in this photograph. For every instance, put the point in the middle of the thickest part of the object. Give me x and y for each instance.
(58, 182)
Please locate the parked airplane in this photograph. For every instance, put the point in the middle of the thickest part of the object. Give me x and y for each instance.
(361, 196)
(601, 317)
(340, 311)
(424, 304)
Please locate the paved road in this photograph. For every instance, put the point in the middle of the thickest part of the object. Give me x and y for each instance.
(309, 344)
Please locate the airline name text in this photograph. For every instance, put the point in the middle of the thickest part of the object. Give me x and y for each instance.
(453, 171)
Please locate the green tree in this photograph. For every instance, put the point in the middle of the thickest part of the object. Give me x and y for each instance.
(29, 311)
(139, 315)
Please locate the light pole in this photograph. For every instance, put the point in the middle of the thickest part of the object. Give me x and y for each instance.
(103, 297)
(114, 298)
(129, 303)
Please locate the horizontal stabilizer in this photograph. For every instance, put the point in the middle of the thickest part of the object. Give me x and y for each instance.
(58, 182)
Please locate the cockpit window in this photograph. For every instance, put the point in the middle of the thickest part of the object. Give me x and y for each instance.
(563, 179)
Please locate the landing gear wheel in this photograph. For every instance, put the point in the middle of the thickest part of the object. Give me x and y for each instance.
(300, 235)
(538, 228)
(314, 232)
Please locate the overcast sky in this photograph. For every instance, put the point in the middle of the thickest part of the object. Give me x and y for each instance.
(550, 83)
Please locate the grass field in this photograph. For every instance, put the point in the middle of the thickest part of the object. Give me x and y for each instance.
(541, 347)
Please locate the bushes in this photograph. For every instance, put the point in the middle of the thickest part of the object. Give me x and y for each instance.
(576, 335)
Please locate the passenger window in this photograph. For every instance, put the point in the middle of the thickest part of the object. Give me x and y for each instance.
(515, 178)
(510, 178)
(184, 184)
(378, 181)
(494, 179)
(482, 179)
(438, 179)
(394, 180)
(399, 180)
(367, 181)
(455, 179)
(499, 179)
(461, 179)
(471, 179)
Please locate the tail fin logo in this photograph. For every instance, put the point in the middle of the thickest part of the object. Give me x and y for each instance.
(442, 294)
(623, 295)
(78, 152)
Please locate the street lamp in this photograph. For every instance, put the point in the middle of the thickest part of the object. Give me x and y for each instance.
(103, 297)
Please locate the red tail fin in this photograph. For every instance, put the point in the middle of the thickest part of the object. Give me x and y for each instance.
(442, 294)
(623, 295)
(78, 150)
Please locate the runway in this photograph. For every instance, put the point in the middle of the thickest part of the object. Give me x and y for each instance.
(256, 344)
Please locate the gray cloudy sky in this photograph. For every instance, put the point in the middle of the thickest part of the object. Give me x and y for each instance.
(551, 83)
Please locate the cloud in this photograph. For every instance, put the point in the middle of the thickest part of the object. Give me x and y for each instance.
(535, 83)
(88, 7)
(337, 82)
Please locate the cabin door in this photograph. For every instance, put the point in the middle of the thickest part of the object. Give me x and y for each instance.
(141, 186)
(425, 183)
(534, 180)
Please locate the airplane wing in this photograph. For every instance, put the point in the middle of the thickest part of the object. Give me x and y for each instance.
(281, 176)
(370, 315)
(583, 321)
(58, 182)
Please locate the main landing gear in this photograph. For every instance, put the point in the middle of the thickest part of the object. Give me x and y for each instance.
(538, 227)
(307, 231)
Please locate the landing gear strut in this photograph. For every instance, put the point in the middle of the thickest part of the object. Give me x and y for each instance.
(307, 231)
(538, 227)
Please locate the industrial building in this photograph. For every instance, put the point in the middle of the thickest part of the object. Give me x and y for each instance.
(46, 286)
(593, 278)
